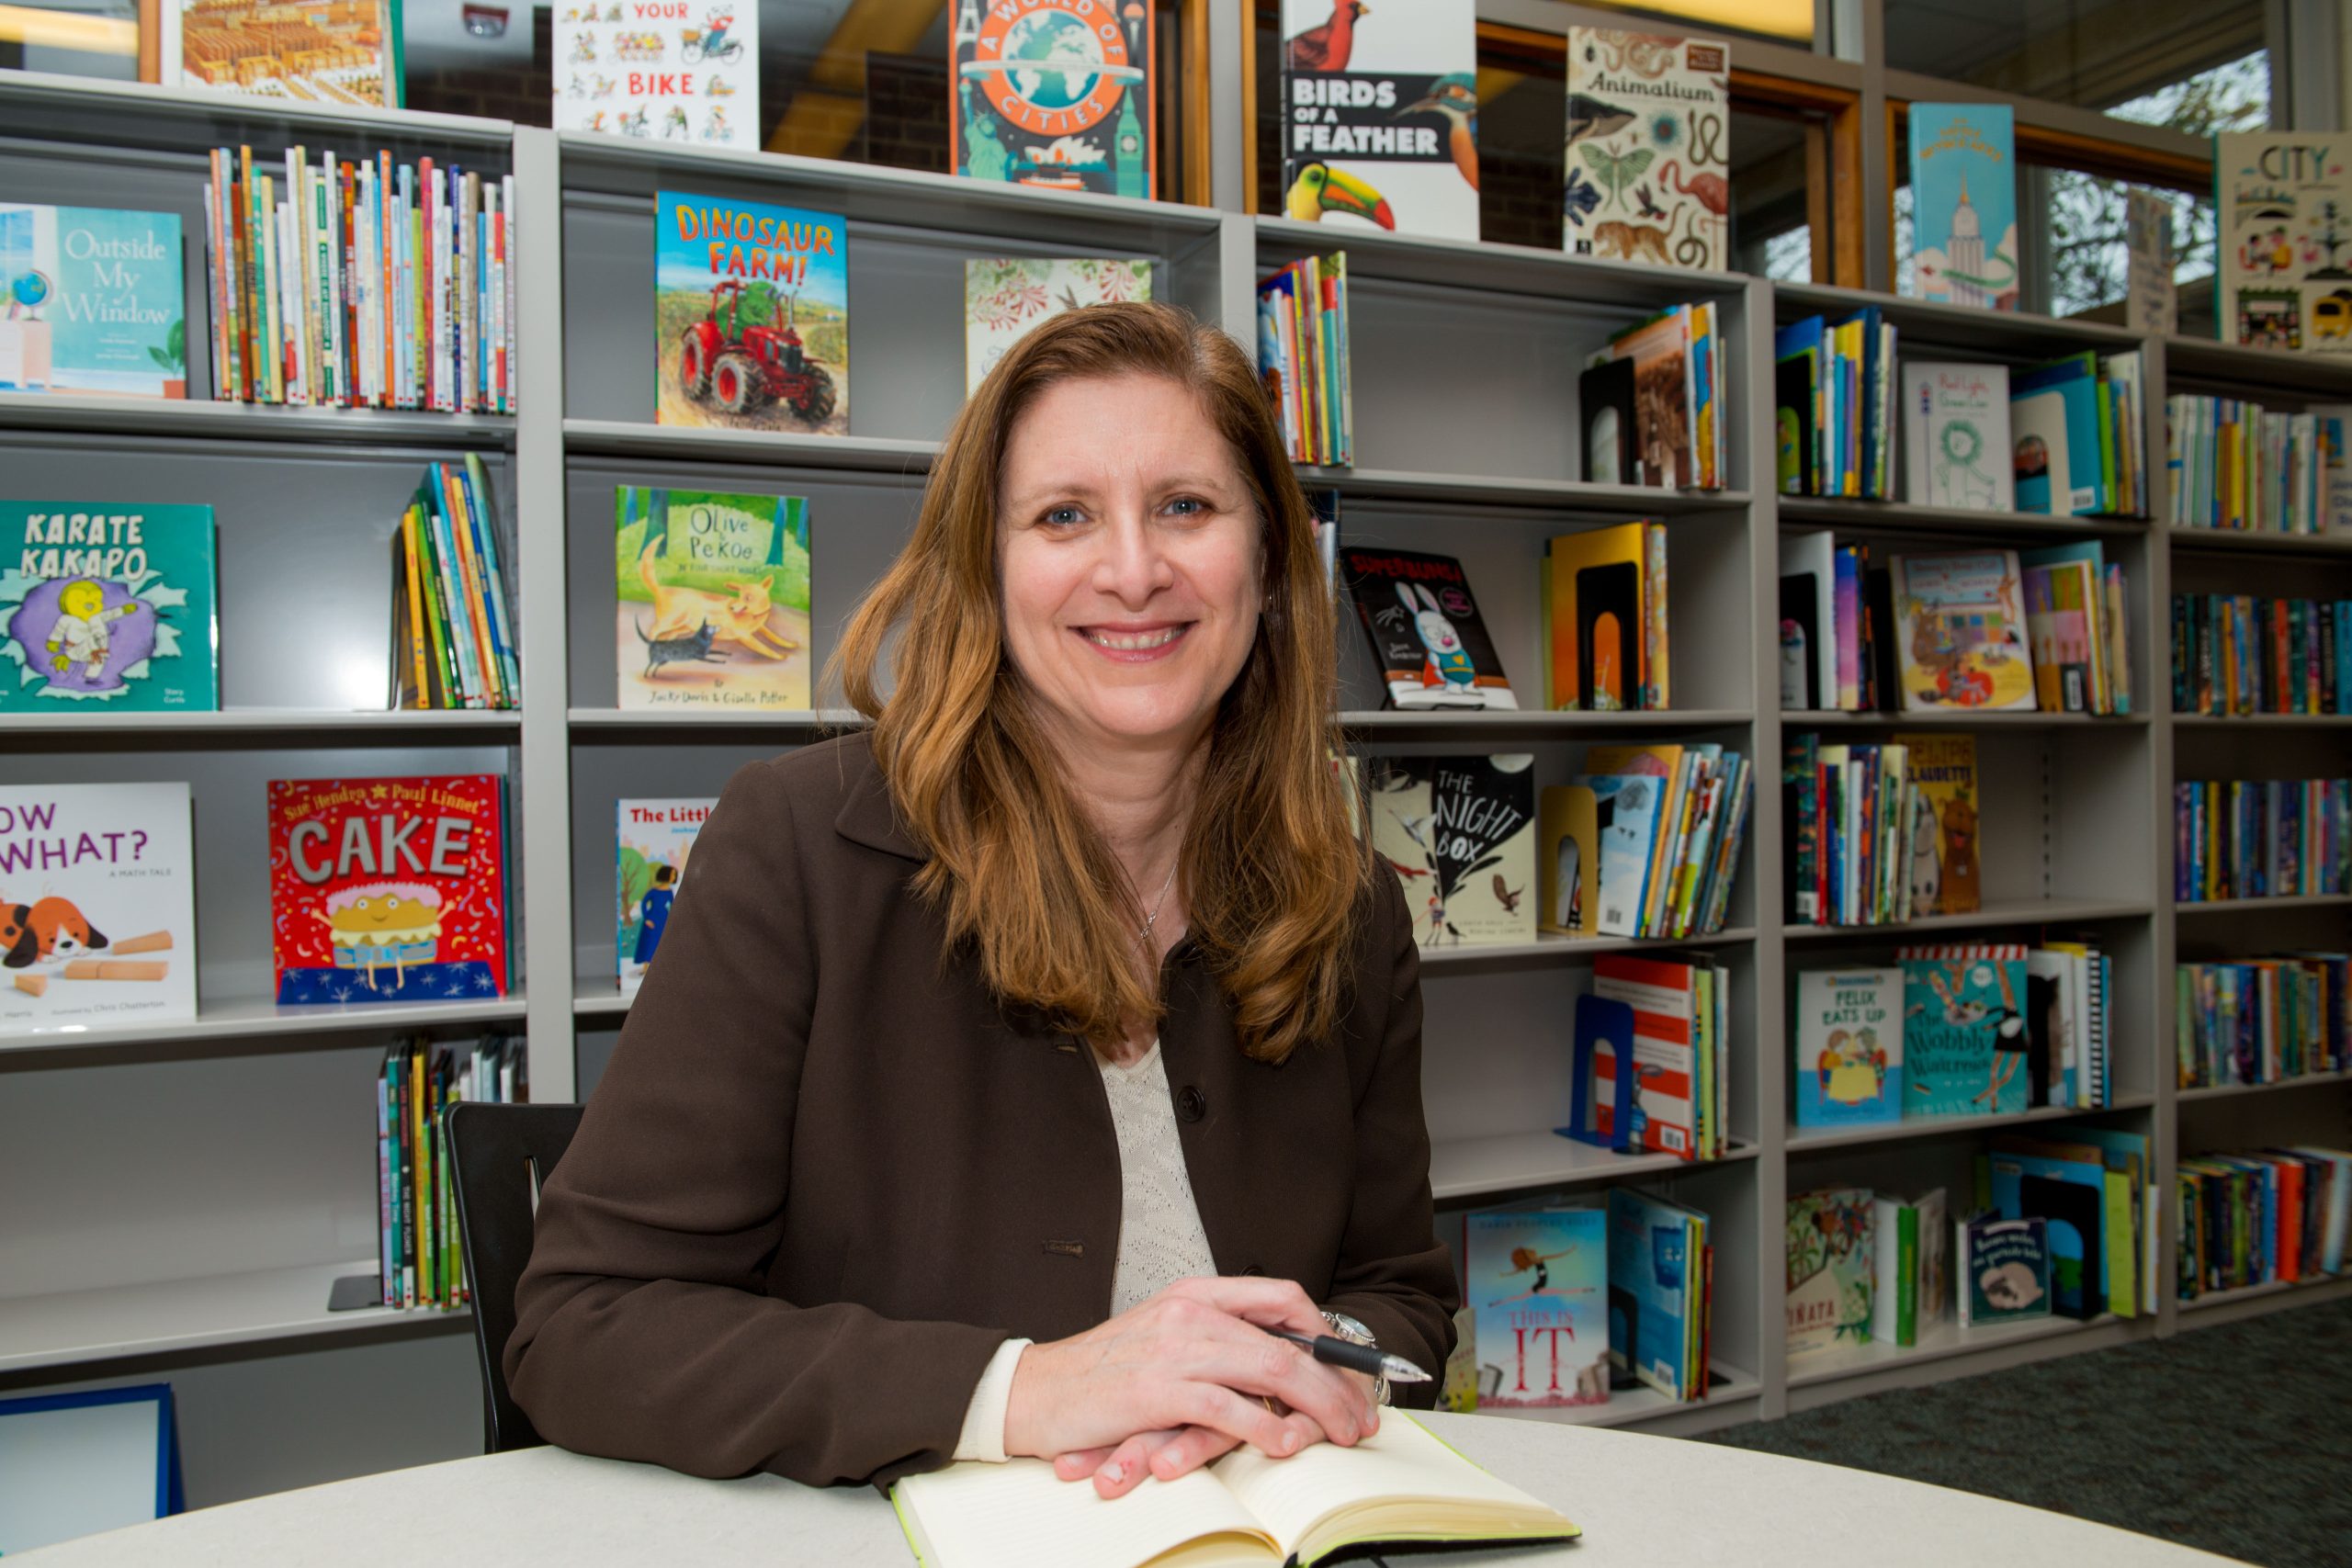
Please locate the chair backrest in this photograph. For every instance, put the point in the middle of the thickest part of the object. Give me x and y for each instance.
(500, 1154)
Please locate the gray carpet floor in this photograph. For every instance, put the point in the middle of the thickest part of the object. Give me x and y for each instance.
(2235, 1440)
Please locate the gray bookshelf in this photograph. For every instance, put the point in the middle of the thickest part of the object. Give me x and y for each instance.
(199, 1184)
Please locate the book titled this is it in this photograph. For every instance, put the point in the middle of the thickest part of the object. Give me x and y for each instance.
(388, 889)
(106, 607)
(98, 906)
(751, 304)
(1539, 1280)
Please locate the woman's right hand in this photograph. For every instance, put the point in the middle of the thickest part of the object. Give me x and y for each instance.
(1195, 1356)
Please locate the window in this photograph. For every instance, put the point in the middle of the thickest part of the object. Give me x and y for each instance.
(72, 37)
(2111, 55)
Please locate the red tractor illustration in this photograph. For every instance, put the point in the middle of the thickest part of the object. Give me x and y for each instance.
(744, 369)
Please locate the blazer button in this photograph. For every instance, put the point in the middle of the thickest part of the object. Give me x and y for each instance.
(1191, 1104)
(1252, 1270)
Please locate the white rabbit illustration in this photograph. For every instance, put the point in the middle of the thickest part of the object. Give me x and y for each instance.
(1449, 661)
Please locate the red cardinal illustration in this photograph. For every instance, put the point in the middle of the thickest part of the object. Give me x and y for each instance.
(1327, 47)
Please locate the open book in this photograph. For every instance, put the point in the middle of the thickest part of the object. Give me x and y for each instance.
(1402, 1486)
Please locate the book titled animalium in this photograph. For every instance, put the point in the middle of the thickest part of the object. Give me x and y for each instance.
(750, 305)
(98, 906)
(713, 594)
(1380, 115)
(1648, 140)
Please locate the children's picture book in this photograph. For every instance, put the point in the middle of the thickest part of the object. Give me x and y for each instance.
(1832, 1257)
(1459, 834)
(750, 310)
(2284, 200)
(92, 300)
(1964, 1030)
(1961, 631)
(713, 592)
(1944, 871)
(2000, 1269)
(97, 907)
(1629, 814)
(1005, 296)
(2055, 432)
(1567, 860)
(348, 55)
(1056, 94)
(1380, 115)
(1539, 1281)
(682, 71)
(1648, 145)
(1656, 1291)
(1848, 1047)
(1956, 449)
(1965, 204)
(1427, 637)
(388, 889)
(106, 606)
(654, 838)
(1605, 612)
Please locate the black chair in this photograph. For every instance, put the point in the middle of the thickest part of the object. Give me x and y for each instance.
(498, 1156)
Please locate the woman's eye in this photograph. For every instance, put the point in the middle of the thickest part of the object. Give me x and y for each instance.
(1190, 505)
(1061, 518)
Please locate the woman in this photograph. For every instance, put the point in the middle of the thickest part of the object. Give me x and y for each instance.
(1010, 1068)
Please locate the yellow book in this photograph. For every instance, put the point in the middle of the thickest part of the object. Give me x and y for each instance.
(1401, 1486)
(1596, 608)
(1568, 860)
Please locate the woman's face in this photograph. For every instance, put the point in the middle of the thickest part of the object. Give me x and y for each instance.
(1128, 549)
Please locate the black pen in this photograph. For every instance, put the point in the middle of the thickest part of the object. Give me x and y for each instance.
(1369, 1360)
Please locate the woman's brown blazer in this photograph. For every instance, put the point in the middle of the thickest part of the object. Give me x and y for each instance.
(825, 1175)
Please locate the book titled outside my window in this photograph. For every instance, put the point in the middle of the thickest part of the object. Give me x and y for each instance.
(1402, 1486)
(92, 300)
(1648, 145)
(1965, 204)
(750, 305)
(1380, 115)
(2284, 199)
(713, 592)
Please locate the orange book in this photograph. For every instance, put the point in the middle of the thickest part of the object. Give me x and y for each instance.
(1596, 618)
(416, 612)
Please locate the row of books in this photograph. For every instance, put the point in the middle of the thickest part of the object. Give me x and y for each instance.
(2261, 1217)
(1563, 1305)
(1978, 1029)
(1652, 404)
(1978, 629)
(365, 284)
(454, 642)
(2233, 464)
(1644, 843)
(1674, 1014)
(1833, 393)
(1303, 358)
(2255, 1020)
(2235, 653)
(380, 889)
(2261, 839)
(1875, 834)
(2061, 438)
(422, 1260)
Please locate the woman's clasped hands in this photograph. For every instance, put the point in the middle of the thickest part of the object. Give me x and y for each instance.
(1182, 1379)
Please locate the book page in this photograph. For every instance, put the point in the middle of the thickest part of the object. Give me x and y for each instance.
(1022, 1515)
(1402, 1462)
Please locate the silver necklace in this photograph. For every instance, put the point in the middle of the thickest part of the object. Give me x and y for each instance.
(1158, 904)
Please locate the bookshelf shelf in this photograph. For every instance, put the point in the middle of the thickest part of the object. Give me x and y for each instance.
(177, 119)
(1823, 1138)
(2262, 720)
(2207, 360)
(253, 1017)
(1808, 718)
(2216, 1307)
(1549, 948)
(388, 725)
(1996, 912)
(1868, 515)
(1463, 1169)
(1387, 724)
(2330, 547)
(1640, 1404)
(1937, 1342)
(671, 720)
(1564, 495)
(1489, 267)
(2232, 1090)
(1957, 328)
(205, 419)
(2250, 906)
(77, 1327)
(674, 443)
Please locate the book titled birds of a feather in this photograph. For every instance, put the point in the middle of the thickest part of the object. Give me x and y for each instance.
(1380, 115)
(1459, 834)
(1648, 143)
(1539, 1281)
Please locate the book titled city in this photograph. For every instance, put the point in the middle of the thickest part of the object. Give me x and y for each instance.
(1056, 94)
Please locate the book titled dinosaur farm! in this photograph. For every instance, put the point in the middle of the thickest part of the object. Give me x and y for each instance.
(391, 889)
(714, 599)
(750, 306)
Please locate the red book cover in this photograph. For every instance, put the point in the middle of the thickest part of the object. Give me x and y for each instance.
(388, 889)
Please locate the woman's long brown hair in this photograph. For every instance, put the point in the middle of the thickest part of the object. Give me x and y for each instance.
(1272, 873)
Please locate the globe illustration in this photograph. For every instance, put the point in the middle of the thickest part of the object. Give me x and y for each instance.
(29, 289)
(1057, 59)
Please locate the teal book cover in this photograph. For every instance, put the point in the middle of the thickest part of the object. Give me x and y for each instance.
(1655, 1251)
(1848, 1047)
(1965, 204)
(2054, 426)
(2005, 1266)
(750, 305)
(1539, 1281)
(107, 607)
(1964, 1036)
(92, 300)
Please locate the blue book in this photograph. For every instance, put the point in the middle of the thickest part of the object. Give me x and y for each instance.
(1848, 1047)
(107, 607)
(2071, 1247)
(92, 300)
(1964, 1037)
(1657, 1252)
(1538, 1280)
(2054, 430)
(1631, 808)
(1965, 204)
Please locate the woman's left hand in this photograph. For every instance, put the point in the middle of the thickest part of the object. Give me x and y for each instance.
(1165, 1454)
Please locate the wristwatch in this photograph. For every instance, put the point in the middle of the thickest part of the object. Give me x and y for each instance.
(1354, 1332)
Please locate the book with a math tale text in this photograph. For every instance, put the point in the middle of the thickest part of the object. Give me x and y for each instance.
(1401, 1488)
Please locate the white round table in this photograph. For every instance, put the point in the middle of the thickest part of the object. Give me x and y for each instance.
(1644, 1503)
